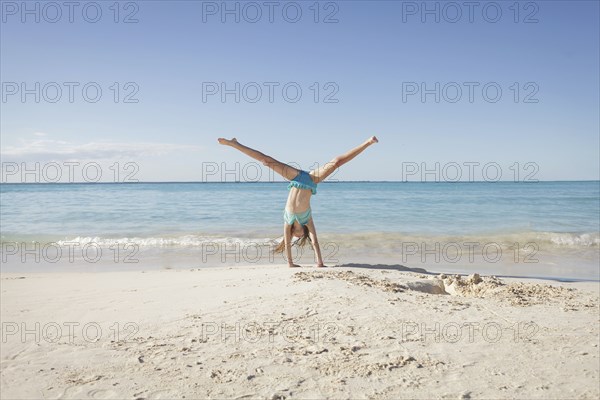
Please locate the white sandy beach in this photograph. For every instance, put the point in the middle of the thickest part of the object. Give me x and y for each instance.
(271, 332)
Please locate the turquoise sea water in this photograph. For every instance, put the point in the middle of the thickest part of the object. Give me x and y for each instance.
(171, 224)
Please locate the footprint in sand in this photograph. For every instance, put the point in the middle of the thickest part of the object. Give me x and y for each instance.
(77, 392)
(103, 394)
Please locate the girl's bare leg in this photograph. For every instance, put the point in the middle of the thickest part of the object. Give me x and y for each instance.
(286, 171)
(319, 174)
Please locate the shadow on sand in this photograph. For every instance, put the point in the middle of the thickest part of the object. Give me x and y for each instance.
(395, 267)
(398, 267)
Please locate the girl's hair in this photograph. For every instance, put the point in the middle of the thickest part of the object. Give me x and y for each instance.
(301, 242)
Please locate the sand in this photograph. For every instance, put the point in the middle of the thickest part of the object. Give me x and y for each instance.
(272, 332)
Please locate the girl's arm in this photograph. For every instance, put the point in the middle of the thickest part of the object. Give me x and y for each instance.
(287, 238)
(312, 233)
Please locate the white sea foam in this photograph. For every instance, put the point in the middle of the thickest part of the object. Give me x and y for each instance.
(570, 239)
(356, 240)
(179, 241)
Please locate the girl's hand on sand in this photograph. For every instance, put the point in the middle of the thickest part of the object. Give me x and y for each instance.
(226, 142)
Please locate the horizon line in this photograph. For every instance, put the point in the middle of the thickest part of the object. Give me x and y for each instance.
(251, 182)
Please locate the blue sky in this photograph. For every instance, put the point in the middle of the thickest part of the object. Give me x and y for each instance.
(370, 58)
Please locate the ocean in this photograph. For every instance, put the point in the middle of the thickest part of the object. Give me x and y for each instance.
(533, 229)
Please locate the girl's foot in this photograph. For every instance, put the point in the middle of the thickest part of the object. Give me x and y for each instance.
(321, 266)
(372, 139)
(227, 142)
(294, 266)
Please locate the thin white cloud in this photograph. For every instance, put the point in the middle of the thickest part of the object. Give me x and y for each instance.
(57, 150)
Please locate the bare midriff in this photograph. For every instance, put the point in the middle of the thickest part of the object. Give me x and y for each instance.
(298, 200)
